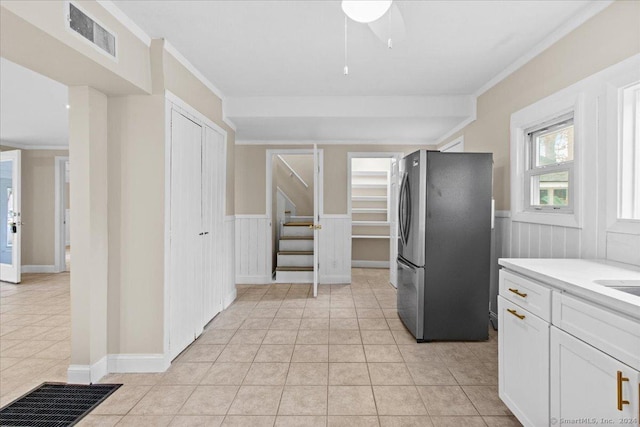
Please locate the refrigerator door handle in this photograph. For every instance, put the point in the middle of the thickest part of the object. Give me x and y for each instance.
(407, 213)
(401, 211)
(404, 265)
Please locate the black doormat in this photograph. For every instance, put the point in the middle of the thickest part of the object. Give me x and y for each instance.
(55, 404)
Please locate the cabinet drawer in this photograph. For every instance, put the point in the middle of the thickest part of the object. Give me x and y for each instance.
(606, 330)
(526, 293)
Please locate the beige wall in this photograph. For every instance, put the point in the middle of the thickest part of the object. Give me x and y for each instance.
(250, 173)
(89, 227)
(606, 39)
(38, 205)
(34, 34)
(178, 80)
(136, 223)
(370, 249)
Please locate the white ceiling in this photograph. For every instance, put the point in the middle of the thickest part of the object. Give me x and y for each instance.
(33, 109)
(293, 48)
(279, 65)
(288, 50)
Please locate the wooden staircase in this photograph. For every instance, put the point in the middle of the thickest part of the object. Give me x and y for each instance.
(295, 252)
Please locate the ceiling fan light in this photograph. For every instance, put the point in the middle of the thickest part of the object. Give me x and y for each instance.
(365, 11)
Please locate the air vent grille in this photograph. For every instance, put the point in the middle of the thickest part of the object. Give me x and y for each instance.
(91, 30)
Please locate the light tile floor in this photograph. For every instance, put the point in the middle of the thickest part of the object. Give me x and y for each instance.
(35, 330)
(276, 357)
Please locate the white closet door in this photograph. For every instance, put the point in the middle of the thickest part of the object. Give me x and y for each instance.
(186, 226)
(213, 181)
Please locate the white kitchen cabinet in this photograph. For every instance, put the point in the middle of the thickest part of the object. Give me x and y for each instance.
(523, 348)
(571, 356)
(589, 387)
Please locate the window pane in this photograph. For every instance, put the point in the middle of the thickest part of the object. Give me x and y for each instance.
(551, 189)
(554, 146)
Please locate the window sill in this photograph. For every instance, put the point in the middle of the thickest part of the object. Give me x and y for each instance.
(559, 219)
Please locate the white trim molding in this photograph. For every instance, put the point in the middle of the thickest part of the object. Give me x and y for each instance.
(570, 100)
(60, 226)
(87, 374)
(574, 22)
(369, 264)
(39, 269)
(126, 21)
(428, 144)
(192, 69)
(22, 146)
(137, 363)
(453, 143)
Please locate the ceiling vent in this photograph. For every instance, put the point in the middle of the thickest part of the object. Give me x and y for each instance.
(88, 28)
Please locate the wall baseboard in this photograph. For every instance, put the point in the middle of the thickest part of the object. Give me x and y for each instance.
(38, 269)
(369, 264)
(230, 298)
(335, 279)
(140, 363)
(253, 280)
(87, 374)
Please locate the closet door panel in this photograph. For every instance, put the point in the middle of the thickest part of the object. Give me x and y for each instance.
(213, 218)
(185, 302)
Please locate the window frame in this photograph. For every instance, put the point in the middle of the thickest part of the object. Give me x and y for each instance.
(538, 115)
(532, 171)
(614, 109)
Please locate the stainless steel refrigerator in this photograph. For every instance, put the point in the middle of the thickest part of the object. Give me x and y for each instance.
(444, 245)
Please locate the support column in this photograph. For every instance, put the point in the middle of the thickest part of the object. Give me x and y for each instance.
(89, 234)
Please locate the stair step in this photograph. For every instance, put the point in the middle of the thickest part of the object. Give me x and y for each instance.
(294, 268)
(296, 238)
(295, 253)
(297, 224)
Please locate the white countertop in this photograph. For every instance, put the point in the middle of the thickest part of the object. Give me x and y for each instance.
(578, 276)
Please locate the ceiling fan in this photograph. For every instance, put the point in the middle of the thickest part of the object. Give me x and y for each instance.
(382, 16)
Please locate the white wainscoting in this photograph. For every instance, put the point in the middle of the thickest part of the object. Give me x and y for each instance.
(623, 247)
(525, 240)
(252, 234)
(229, 269)
(335, 249)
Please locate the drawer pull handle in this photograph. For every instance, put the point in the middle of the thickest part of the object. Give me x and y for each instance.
(621, 402)
(515, 313)
(515, 291)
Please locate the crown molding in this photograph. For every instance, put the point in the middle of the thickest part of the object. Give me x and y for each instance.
(126, 21)
(568, 26)
(430, 144)
(21, 146)
(192, 69)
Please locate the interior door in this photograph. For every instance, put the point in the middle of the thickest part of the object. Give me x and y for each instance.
(186, 225)
(212, 222)
(393, 222)
(10, 222)
(316, 218)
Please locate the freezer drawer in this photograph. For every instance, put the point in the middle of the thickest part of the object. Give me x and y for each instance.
(411, 297)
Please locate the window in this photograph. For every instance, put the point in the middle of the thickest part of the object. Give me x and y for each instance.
(549, 166)
(629, 154)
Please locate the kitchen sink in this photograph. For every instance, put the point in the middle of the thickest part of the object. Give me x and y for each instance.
(633, 290)
(619, 283)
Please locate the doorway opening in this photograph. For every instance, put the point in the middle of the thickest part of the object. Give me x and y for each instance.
(292, 204)
(372, 202)
(294, 207)
(62, 215)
